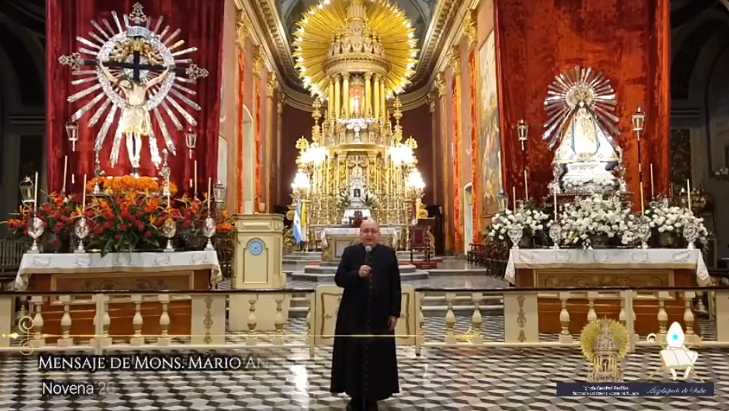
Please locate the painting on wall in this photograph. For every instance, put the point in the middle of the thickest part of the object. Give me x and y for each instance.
(489, 133)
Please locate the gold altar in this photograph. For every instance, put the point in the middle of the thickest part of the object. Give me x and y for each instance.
(358, 164)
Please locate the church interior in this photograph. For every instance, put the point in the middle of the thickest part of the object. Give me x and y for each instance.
(183, 177)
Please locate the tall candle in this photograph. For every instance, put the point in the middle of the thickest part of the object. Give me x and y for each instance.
(194, 179)
(513, 193)
(83, 201)
(653, 193)
(642, 206)
(65, 173)
(35, 194)
(210, 182)
(73, 178)
(554, 199)
(688, 190)
(526, 186)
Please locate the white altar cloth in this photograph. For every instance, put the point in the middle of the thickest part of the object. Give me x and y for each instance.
(613, 258)
(94, 262)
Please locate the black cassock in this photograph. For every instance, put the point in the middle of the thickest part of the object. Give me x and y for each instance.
(366, 367)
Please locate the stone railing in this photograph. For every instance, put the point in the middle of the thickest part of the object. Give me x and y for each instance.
(430, 317)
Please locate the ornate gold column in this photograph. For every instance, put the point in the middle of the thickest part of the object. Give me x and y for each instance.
(271, 86)
(279, 112)
(376, 102)
(330, 99)
(337, 94)
(383, 100)
(367, 95)
(345, 94)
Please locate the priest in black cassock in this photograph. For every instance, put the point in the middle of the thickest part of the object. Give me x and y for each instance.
(364, 362)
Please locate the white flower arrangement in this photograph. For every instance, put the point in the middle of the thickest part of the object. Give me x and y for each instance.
(631, 235)
(591, 217)
(671, 219)
(531, 219)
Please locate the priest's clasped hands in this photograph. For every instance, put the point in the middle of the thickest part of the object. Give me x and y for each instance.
(365, 271)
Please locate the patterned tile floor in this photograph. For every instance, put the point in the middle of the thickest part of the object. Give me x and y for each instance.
(440, 379)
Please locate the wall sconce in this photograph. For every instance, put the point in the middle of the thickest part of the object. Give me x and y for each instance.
(27, 191)
(72, 133)
(190, 141)
(522, 132)
(638, 120)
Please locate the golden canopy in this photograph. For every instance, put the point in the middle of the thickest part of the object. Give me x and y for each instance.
(331, 20)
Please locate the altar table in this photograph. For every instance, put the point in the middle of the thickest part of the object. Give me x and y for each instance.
(565, 268)
(90, 272)
(335, 239)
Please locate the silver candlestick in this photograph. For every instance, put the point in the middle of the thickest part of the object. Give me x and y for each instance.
(35, 231)
(209, 232)
(555, 233)
(169, 229)
(690, 233)
(515, 233)
(81, 229)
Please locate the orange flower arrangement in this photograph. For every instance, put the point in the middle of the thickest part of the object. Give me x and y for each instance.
(127, 217)
(128, 184)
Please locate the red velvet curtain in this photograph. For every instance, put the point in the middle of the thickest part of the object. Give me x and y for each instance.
(628, 41)
(201, 24)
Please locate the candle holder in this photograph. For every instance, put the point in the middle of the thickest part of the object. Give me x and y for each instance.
(690, 233)
(35, 231)
(515, 232)
(644, 232)
(81, 229)
(555, 233)
(169, 229)
(209, 232)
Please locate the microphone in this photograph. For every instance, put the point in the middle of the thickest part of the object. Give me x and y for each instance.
(368, 258)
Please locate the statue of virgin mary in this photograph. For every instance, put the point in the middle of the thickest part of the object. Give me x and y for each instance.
(579, 129)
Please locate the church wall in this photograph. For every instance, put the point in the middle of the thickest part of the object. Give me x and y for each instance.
(417, 123)
(457, 132)
(296, 123)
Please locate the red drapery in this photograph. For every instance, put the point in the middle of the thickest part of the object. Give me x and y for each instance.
(201, 25)
(628, 41)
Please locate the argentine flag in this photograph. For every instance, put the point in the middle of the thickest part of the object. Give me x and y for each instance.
(299, 232)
